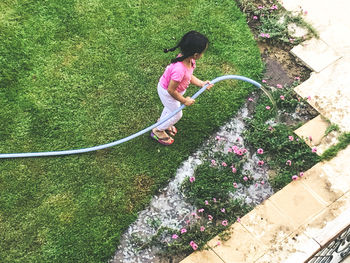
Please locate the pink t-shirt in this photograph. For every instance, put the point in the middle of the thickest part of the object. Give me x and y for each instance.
(179, 73)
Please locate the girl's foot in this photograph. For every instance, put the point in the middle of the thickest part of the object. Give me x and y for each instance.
(171, 130)
(162, 137)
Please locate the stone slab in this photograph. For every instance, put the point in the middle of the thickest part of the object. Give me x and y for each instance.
(330, 93)
(298, 203)
(324, 184)
(315, 128)
(297, 247)
(267, 223)
(330, 222)
(204, 256)
(242, 247)
(315, 54)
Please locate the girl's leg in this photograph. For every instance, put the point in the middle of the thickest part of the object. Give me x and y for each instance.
(170, 105)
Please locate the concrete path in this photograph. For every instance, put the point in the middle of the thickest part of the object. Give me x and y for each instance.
(296, 222)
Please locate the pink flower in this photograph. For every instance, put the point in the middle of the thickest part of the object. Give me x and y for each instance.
(291, 138)
(268, 107)
(291, 40)
(201, 210)
(260, 7)
(223, 210)
(260, 151)
(245, 178)
(192, 179)
(274, 7)
(214, 199)
(218, 138)
(183, 230)
(213, 162)
(224, 164)
(262, 182)
(305, 12)
(310, 138)
(202, 228)
(264, 81)
(267, 35)
(206, 202)
(250, 99)
(282, 97)
(309, 97)
(218, 243)
(235, 185)
(297, 78)
(260, 163)
(210, 217)
(255, 17)
(193, 245)
(174, 236)
(295, 177)
(224, 223)
(314, 149)
(193, 213)
(238, 219)
(301, 174)
(234, 170)
(270, 128)
(279, 86)
(289, 162)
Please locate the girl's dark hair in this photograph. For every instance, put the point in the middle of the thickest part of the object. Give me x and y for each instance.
(192, 42)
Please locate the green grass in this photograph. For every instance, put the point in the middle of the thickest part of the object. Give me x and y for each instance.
(80, 73)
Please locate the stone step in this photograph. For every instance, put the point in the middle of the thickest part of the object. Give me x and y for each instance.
(329, 92)
(315, 54)
(314, 134)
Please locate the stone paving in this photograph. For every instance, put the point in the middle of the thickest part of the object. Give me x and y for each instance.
(294, 223)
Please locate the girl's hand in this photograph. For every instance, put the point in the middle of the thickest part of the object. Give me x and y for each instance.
(189, 101)
(209, 84)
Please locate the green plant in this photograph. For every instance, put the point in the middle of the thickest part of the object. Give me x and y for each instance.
(272, 23)
(343, 142)
(285, 153)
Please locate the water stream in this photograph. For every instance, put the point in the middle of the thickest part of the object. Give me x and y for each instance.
(170, 208)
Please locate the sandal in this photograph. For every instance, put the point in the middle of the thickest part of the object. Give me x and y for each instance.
(162, 140)
(171, 130)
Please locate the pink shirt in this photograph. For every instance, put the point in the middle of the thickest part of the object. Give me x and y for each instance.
(177, 72)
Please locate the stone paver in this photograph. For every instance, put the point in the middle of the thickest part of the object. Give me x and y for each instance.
(330, 93)
(316, 129)
(267, 223)
(315, 54)
(330, 221)
(298, 203)
(242, 246)
(294, 249)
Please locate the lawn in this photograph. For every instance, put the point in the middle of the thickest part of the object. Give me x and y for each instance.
(79, 73)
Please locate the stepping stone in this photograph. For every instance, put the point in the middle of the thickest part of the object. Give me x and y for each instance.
(329, 92)
(313, 132)
(315, 54)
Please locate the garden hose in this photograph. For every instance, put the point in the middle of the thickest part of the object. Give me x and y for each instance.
(103, 146)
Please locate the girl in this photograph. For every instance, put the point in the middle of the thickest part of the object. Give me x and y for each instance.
(175, 80)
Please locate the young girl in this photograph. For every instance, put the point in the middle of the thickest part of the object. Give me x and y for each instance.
(175, 80)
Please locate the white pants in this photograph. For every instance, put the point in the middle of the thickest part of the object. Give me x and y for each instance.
(170, 104)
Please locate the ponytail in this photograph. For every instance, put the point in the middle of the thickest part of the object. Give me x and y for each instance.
(192, 42)
(166, 50)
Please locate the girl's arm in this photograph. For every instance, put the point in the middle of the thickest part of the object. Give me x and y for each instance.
(200, 83)
(176, 95)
